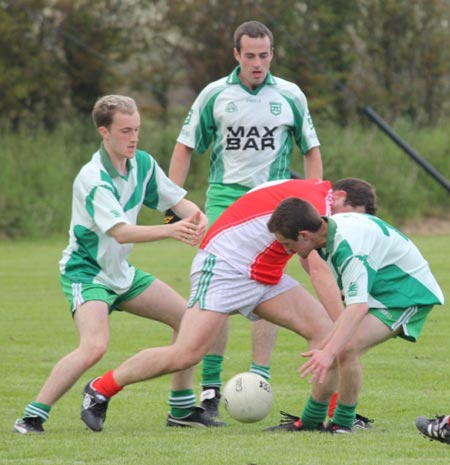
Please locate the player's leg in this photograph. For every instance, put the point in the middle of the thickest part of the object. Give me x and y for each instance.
(196, 334)
(370, 333)
(212, 374)
(298, 311)
(264, 335)
(218, 198)
(91, 320)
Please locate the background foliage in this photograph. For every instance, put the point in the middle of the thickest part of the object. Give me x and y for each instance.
(58, 56)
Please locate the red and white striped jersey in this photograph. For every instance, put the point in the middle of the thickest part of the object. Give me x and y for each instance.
(240, 235)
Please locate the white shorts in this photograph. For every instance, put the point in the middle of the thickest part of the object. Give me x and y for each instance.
(217, 286)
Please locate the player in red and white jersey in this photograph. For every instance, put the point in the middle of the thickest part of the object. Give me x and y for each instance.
(240, 234)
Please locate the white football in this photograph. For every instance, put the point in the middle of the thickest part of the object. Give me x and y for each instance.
(247, 397)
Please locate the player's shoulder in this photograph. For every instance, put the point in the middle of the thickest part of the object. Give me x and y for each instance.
(284, 84)
(213, 88)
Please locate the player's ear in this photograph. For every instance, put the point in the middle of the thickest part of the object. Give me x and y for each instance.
(236, 54)
(339, 195)
(102, 130)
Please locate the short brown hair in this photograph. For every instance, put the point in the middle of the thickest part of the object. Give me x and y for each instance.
(293, 215)
(253, 29)
(107, 106)
(359, 193)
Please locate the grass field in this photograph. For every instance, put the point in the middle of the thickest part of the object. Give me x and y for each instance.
(402, 380)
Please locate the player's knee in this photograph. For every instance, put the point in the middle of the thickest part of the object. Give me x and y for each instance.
(187, 359)
(348, 354)
(94, 352)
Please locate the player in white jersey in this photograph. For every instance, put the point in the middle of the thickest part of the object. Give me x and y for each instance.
(96, 277)
(387, 285)
(239, 268)
(252, 120)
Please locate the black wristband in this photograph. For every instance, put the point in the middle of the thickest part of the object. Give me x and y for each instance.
(170, 217)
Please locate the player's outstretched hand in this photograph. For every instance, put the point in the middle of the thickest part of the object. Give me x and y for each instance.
(190, 230)
(317, 366)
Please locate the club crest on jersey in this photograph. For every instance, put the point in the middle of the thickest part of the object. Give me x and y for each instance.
(275, 108)
(353, 289)
(231, 108)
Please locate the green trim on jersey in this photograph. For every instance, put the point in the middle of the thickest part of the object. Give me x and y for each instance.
(376, 264)
(103, 199)
(110, 168)
(80, 263)
(252, 132)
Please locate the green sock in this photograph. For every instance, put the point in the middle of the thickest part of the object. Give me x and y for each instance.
(181, 402)
(36, 409)
(314, 413)
(262, 370)
(344, 415)
(211, 370)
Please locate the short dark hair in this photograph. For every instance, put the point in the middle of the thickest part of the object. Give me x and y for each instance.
(359, 193)
(293, 215)
(253, 29)
(106, 107)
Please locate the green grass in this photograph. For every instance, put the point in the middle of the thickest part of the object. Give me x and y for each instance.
(402, 380)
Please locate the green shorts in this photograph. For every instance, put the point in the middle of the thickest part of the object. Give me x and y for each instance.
(410, 320)
(79, 293)
(221, 196)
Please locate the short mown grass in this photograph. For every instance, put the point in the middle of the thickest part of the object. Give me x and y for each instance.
(402, 380)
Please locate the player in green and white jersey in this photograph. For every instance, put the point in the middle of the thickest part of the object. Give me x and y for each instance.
(96, 276)
(387, 285)
(252, 120)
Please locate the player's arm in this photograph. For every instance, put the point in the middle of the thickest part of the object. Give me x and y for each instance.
(190, 229)
(187, 209)
(324, 284)
(180, 163)
(313, 163)
(178, 171)
(344, 328)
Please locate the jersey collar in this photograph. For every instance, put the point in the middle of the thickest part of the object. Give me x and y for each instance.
(233, 78)
(107, 163)
(331, 233)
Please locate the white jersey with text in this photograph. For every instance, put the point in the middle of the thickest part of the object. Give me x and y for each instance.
(252, 131)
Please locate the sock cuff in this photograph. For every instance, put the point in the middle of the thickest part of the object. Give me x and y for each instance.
(318, 403)
(213, 358)
(37, 409)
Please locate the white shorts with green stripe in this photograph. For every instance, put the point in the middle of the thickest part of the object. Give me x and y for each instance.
(217, 286)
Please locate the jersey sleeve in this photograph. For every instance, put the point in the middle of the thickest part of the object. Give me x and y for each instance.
(304, 131)
(355, 280)
(199, 127)
(162, 193)
(104, 208)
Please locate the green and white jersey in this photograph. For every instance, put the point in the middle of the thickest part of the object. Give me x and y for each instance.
(252, 132)
(103, 198)
(376, 264)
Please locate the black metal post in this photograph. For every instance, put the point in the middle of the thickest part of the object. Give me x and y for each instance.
(401, 143)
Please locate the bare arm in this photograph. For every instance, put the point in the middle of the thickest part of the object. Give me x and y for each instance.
(189, 230)
(180, 163)
(313, 163)
(344, 328)
(324, 284)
